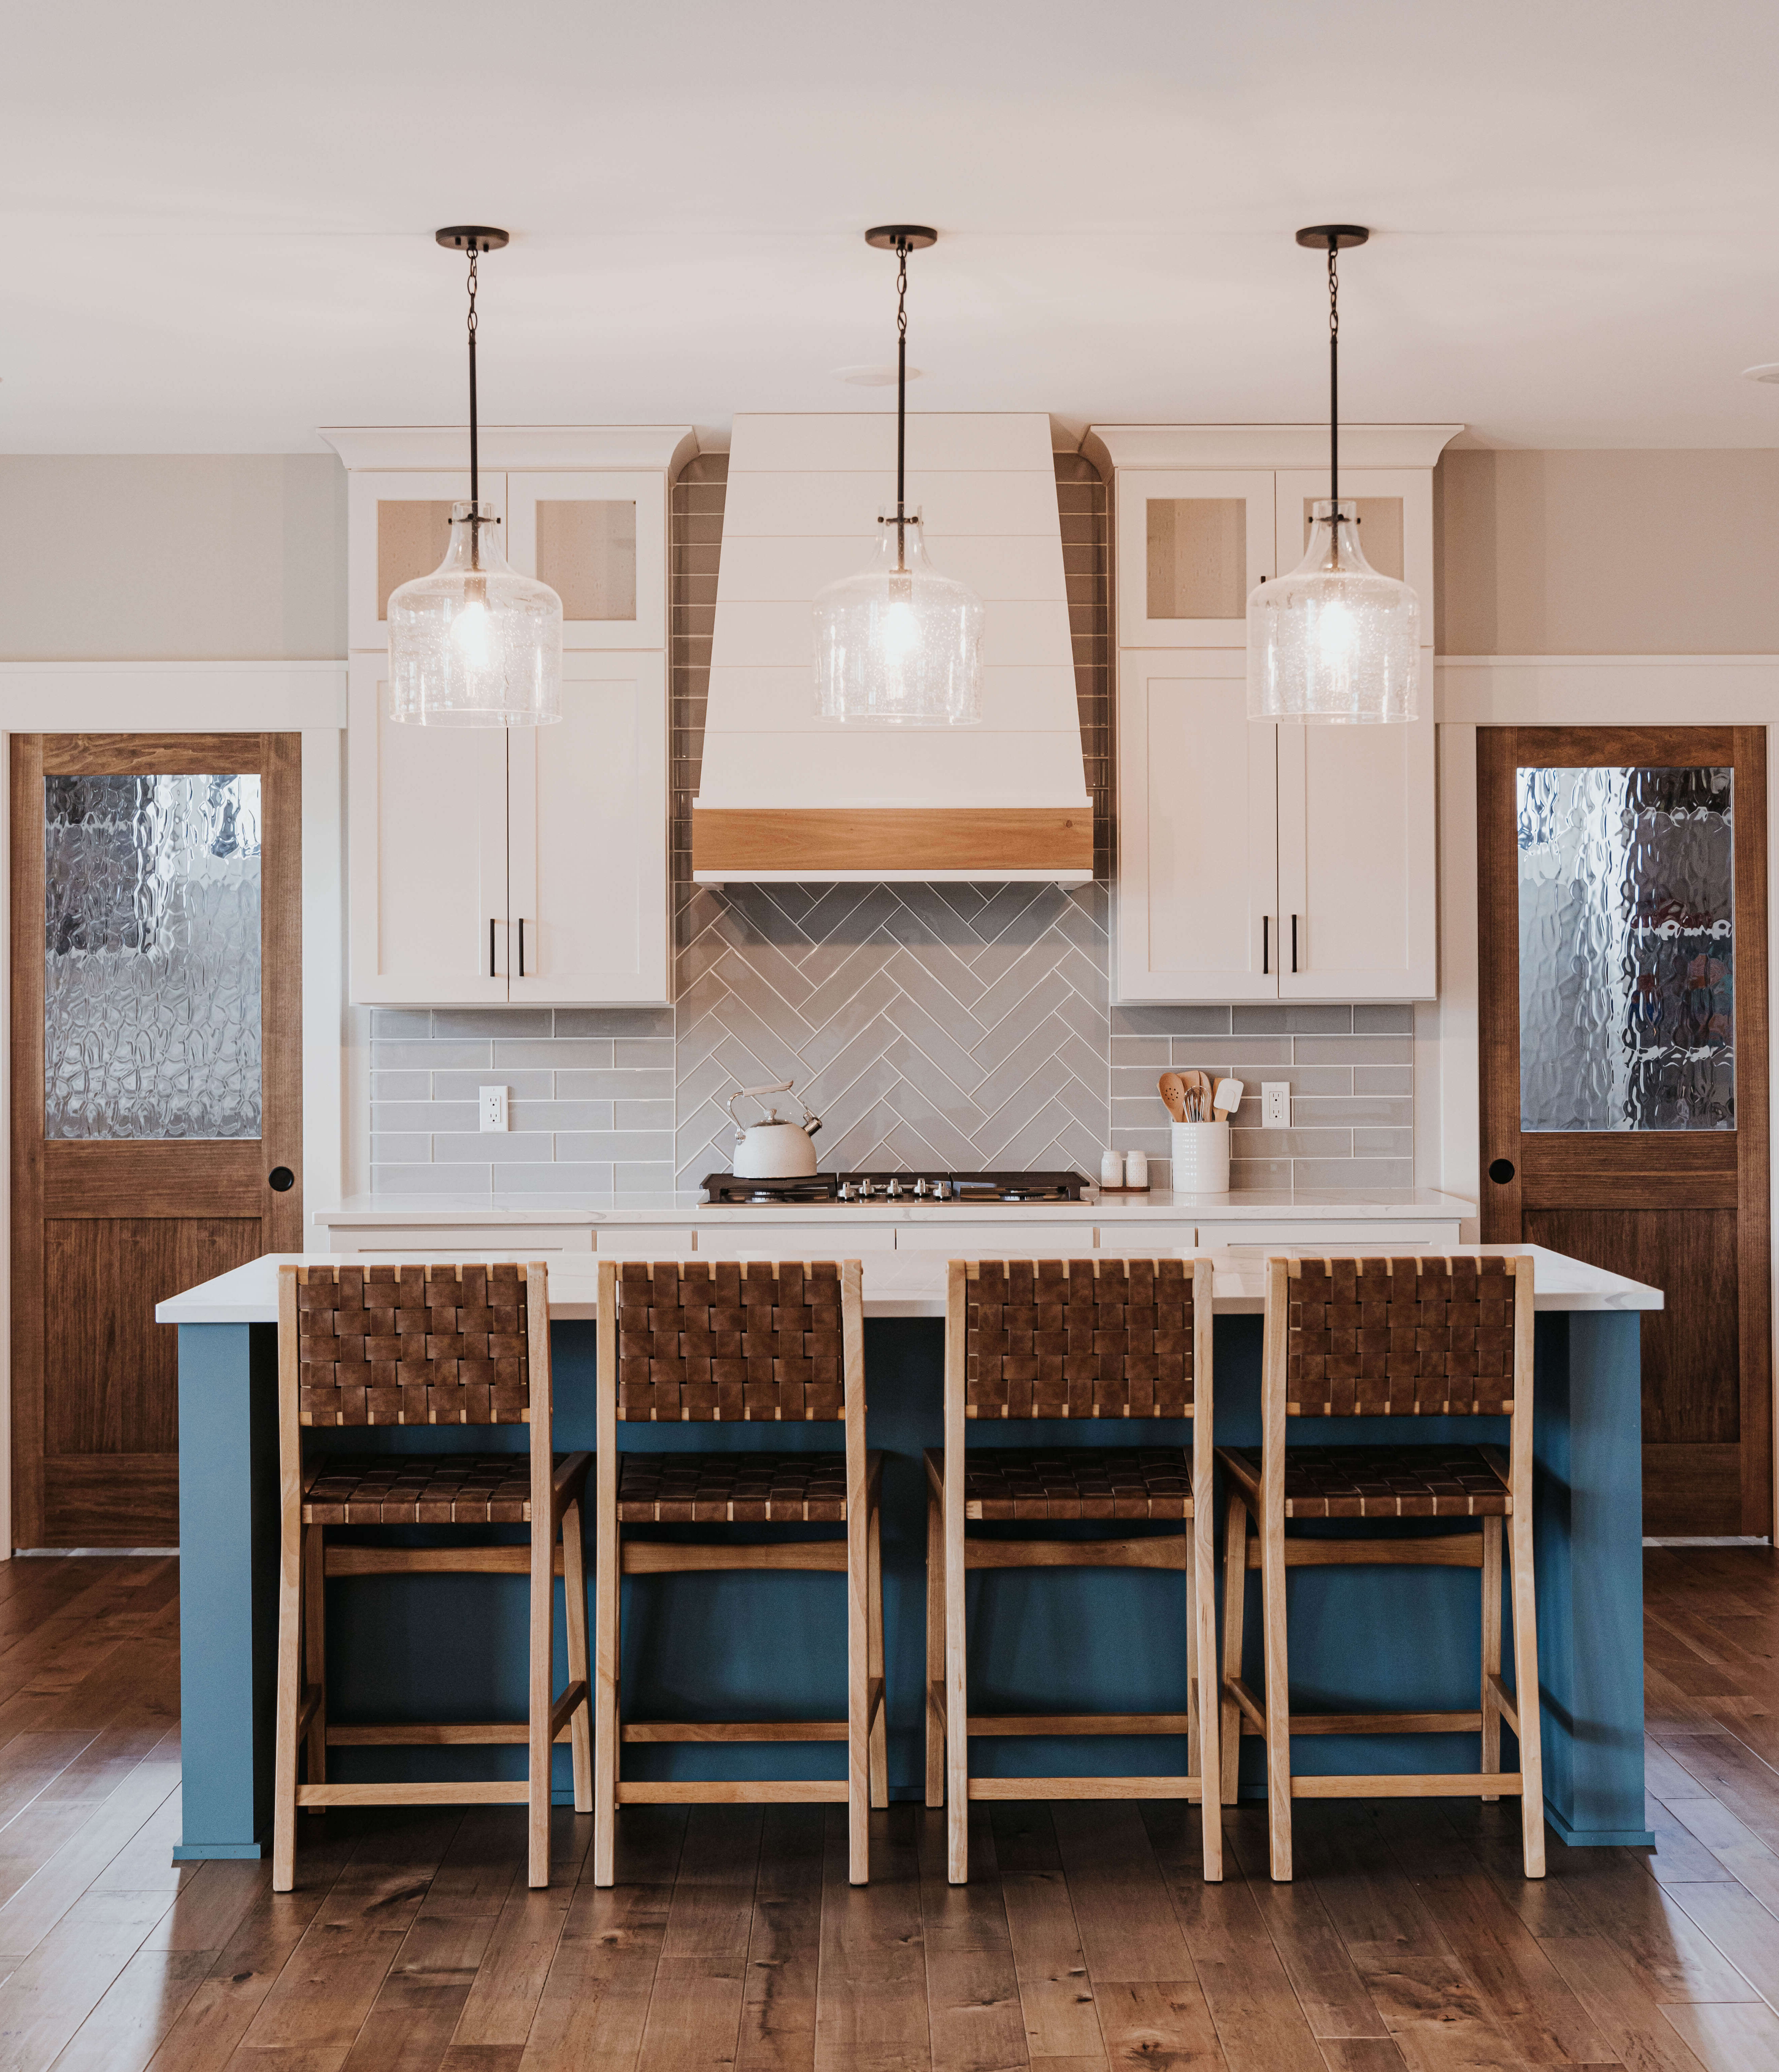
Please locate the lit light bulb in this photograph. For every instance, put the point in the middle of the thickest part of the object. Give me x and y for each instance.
(1334, 632)
(901, 633)
(472, 633)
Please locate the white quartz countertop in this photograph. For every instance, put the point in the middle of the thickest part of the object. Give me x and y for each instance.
(1358, 1204)
(898, 1284)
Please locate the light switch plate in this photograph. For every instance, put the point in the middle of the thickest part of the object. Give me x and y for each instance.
(1275, 1104)
(494, 1108)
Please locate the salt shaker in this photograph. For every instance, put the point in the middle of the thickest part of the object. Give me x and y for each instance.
(1111, 1169)
(1136, 1169)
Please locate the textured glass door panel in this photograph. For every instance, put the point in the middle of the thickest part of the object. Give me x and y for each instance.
(587, 552)
(1627, 968)
(151, 956)
(1198, 556)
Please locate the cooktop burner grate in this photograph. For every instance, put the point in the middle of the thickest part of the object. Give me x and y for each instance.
(918, 1188)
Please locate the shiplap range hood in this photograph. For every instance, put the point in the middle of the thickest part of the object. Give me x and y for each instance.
(786, 795)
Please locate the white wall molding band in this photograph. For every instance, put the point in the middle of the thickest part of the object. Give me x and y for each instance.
(171, 697)
(1606, 690)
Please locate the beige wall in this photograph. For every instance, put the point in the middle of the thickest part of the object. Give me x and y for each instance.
(172, 557)
(1645, 552)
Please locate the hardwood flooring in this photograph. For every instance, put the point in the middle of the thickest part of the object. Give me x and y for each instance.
(1088, 1943)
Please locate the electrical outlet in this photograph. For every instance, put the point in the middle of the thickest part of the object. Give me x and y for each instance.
(1275, 1104)
(494, 1108)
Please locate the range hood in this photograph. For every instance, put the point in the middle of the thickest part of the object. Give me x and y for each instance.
(784, 795)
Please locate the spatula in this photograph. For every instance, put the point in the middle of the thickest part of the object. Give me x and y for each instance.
(1227, 1098)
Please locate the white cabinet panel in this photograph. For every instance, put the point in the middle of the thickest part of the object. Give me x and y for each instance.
(587, 840)
(1395, 524)
(398, 526)
(1155, 1240)
(771, 1238)
(599, 541)
(643, 1241)
(464, 1242)
(1374, 1240)
(1190, 544)
(1196, 905)
(428, 856)
(1012, 1239)
(1357, 860)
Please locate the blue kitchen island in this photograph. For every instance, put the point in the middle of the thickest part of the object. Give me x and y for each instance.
(773, 1645)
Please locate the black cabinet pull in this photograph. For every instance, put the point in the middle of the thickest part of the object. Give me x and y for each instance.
(281, 1179)
(490, 970)
(1500, 1171)
(1266, 943)
(522, 947)
(1294, 942)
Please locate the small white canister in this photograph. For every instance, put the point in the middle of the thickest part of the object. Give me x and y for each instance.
(1201, 1157)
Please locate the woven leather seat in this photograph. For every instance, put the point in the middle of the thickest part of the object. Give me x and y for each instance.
(419, 1489)
(1382, 1482)
(732, 1489)
(1082, 1481)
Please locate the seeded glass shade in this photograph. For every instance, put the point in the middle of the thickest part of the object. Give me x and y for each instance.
(1333, 640)
(898, 644)
(475, 644)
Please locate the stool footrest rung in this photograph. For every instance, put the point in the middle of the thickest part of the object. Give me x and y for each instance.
(733, 1730)
(513, 1793)
(760, 1791)
(1446, 1550)
(660, 1557)
(435, 1734)
(1504, 1699)
(1190, 1788)
(1439, 1784)
(996, 1726)
(1162, 1550)
(1379, 1723)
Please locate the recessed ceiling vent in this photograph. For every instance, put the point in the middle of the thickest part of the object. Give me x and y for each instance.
(785, 795)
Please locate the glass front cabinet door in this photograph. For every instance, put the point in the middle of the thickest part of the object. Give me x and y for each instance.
(1191, 543)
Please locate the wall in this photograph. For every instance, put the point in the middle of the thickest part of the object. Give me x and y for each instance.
(182, 557)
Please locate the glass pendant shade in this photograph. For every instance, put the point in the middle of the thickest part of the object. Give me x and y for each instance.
(475, 644)
(898, 644)
(1333, 640)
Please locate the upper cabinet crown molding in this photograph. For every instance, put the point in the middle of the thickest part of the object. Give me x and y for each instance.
(666, 447)
(1111, 446)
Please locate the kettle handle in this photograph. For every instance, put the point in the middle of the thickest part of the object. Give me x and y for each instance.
(753, 1093)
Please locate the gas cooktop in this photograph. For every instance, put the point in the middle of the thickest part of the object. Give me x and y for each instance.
(910, 1188)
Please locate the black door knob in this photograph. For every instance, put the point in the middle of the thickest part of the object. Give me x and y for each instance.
(281, 1179)
(1500, 1171)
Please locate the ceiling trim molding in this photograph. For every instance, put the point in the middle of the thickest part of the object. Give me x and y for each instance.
(393, 447)
(1606, 690)
(1111, 446)
(172, 697)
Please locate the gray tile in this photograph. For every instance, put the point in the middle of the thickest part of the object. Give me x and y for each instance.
(392, 1149)
(1137, 1082)
(1170, 1021)
(1353, 1050)
(498, 1147)
(429, 1057)
(614, 1144)
(432, 1180)
(1323, 1173)
(467, 1086)
(1158, 1143)
(555, 1053)
(554, 1179)
(507, 1022)
(640, 1052)
(643, 1179)
(1290, 1143)
(392, 1023)
(1383, 1079)
(613, 1021)
(614, 1086)
(1391, 1019)
(557, 1115)
(643, 1115)
(1150, 1051)
(1383, 1144)
(1242, 1055)
(428, 1115)
(1383, 1114)
(1314, 1080)
(1272, 1175)
(941, 1053)
(401, 1086)
(1254, 1019)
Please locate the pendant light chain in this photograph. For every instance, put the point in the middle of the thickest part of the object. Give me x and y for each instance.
(475, 471)
(901, 399)
(1334, 378)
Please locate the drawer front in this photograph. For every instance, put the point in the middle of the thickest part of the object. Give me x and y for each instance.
(465, 1241)
(645, 1241)
(774, 1239)
(1008, 1240)
(1153, 1240)
(1377, 1240)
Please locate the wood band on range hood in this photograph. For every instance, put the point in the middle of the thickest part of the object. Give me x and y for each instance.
(1053, 842)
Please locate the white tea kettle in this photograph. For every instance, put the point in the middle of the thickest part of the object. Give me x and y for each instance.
(770, 1149)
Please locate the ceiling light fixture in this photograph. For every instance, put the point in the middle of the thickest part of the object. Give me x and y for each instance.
(898, 644)
(1334, 640)
(474, 644)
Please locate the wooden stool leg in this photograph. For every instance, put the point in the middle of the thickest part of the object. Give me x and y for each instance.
(315, 1651)
(936, 1650)
(1279, 1696)
(1525, 1685)
(1235, 1610)
(957, 1687)
(607, 1588)
(874, 1615)
(290, 1700)
(540, 1742)
(580, 1729)
(1194, 1700)
(858, 1679)
(1491, 1650)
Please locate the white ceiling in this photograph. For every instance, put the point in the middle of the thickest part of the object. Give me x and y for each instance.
(218, 214)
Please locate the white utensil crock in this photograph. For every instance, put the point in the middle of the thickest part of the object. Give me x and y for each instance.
(1201, 1157)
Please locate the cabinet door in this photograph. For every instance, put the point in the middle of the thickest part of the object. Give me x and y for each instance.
(587, 840)
(1197, 871)
(1395, 523)
(427, 861)
(599, 541)
(398, 526)
(1356, 859)
(1191, 545)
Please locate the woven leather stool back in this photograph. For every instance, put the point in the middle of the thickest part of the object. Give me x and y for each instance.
(412, 1345)
(1423, 1336)
(729, 1341)
(1078, 1337)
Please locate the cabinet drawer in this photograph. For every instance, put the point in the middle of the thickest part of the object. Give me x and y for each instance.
(1154, 1240)
(1376, 1239)
(465, 1241)
(1011, 1239)
(645, 1241)
(773, 1239)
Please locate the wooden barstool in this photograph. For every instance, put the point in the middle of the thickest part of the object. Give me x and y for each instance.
(421, 1344)
(1082, 1338)
(1420, 1337)
(723, 1341)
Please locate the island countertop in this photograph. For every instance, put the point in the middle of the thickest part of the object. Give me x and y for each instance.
(904, 1284)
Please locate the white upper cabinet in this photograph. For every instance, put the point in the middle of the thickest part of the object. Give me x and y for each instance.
(1191, 543)
(490, 865)
(1395, 523)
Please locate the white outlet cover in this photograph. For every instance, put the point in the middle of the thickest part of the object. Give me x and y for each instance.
(494, 1108)
(1275, 1104)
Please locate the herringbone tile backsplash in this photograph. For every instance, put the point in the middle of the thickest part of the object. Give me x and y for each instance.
(951, 1026)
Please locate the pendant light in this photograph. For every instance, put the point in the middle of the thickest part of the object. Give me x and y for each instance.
(474, 644)
(898, 644)
(1334, 640)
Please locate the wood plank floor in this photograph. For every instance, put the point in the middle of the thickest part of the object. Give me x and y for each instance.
(1088, 1942)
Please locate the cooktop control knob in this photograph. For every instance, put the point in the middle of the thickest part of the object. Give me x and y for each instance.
(895, 1190)
(941, 1191)
(919, 1189)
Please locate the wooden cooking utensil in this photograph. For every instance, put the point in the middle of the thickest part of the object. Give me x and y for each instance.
(1227, 1098)
(1198, 1095)
(1173, 1095)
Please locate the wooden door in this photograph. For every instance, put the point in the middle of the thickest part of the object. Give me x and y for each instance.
(1622, 948)
(587, 840)
(1197, 904)
(157, 1132)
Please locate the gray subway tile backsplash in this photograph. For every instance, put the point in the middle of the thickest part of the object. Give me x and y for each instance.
(949, 1025)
